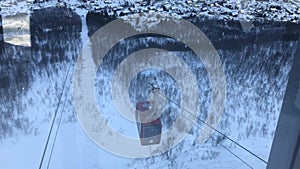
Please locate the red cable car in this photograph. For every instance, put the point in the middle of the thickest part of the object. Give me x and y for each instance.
(149, 130)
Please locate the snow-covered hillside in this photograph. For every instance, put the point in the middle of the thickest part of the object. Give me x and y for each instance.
(256, 63)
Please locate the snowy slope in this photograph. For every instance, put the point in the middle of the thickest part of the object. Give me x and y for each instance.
(256, 76)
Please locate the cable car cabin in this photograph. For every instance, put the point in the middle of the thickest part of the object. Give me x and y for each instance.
(149, 131)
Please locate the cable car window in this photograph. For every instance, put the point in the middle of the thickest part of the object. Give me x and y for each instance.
(147, 105)
(151, 131)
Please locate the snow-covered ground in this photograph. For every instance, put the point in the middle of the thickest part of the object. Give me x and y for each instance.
(255, 94)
